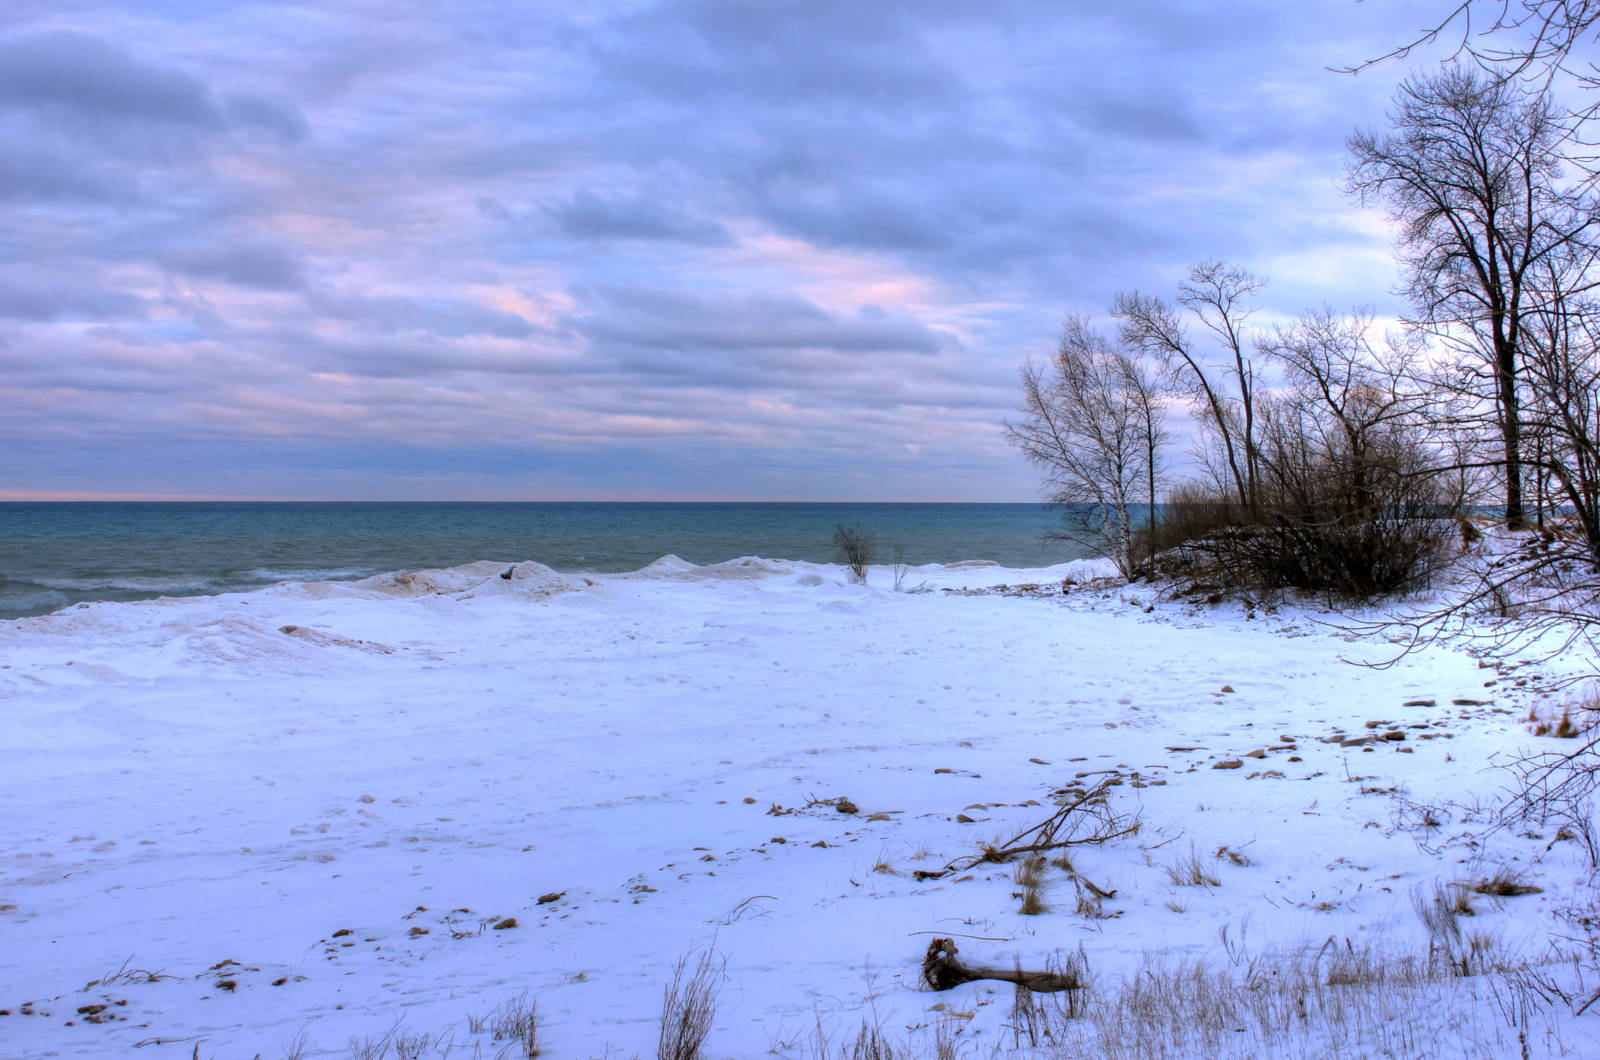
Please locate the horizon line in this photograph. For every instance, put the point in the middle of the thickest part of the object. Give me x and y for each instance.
(68, 497)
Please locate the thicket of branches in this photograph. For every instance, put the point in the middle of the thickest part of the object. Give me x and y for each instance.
(1335, 459)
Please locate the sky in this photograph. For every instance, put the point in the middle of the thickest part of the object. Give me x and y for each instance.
(680, 250)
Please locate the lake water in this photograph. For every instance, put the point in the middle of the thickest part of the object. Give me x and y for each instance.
(56, 554)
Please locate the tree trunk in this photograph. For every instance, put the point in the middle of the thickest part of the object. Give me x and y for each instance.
(1511, 433)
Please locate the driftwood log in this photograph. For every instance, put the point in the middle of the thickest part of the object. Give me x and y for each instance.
(941, 970)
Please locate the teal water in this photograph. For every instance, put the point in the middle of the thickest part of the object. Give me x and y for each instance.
(56, 554)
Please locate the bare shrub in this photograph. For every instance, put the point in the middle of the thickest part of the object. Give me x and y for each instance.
(1309, 536)
(688, 1007)
(1345, 496)
(1191, 512)
(856, 547)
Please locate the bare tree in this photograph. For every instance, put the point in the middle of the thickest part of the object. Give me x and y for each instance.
(1532, 41)
(1145, 394)
(1563, 415)
(1092, 420)
(1470, 171)
(1215, 294)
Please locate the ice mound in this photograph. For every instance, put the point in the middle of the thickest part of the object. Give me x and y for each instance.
(668, 564)
(1083, 570)
(745, 568)
(529, 580)
(438, 580)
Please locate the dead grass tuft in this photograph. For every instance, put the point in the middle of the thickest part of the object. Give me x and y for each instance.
(1191, 872)
(688, 1006)
(1030, 876)
(1506, 883)
(516, 1022)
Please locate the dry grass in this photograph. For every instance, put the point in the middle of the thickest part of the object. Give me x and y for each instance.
(1576, 718)
(870, 1044)
(688, 1007)
(1506, 883)
(516, 1023)
(1341, 1000)
(1040, 1019)
(1451, 950)
(1030, 876)
(1348, 965)
(1192, 872)
(1233, 856)
(396, 1043)
(125, 975)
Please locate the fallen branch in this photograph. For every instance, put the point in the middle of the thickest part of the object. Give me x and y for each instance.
(942, 971)
(1064, 828)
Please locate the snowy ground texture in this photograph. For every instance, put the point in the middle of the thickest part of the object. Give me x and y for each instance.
(357, 819)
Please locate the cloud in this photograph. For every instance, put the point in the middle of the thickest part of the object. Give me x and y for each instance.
(264, 265)
(60, 298)
(447, 317)
(662, 319)
(742, 246)
(282, 121)
(87, 76)
(586, 215)
(66, 86)
(37, 172)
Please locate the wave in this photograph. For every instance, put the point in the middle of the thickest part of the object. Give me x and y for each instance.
(311, 574)
(194, 583)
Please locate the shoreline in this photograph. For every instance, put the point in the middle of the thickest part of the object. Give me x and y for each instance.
(136, 591)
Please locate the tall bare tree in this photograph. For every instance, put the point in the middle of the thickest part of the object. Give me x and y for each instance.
(1470, 170)
(1216, 295)
(1092, 420)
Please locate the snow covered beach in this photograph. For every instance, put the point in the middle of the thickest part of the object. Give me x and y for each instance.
(301, 819)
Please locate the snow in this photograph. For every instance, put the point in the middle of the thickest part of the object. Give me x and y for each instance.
(327, 794)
